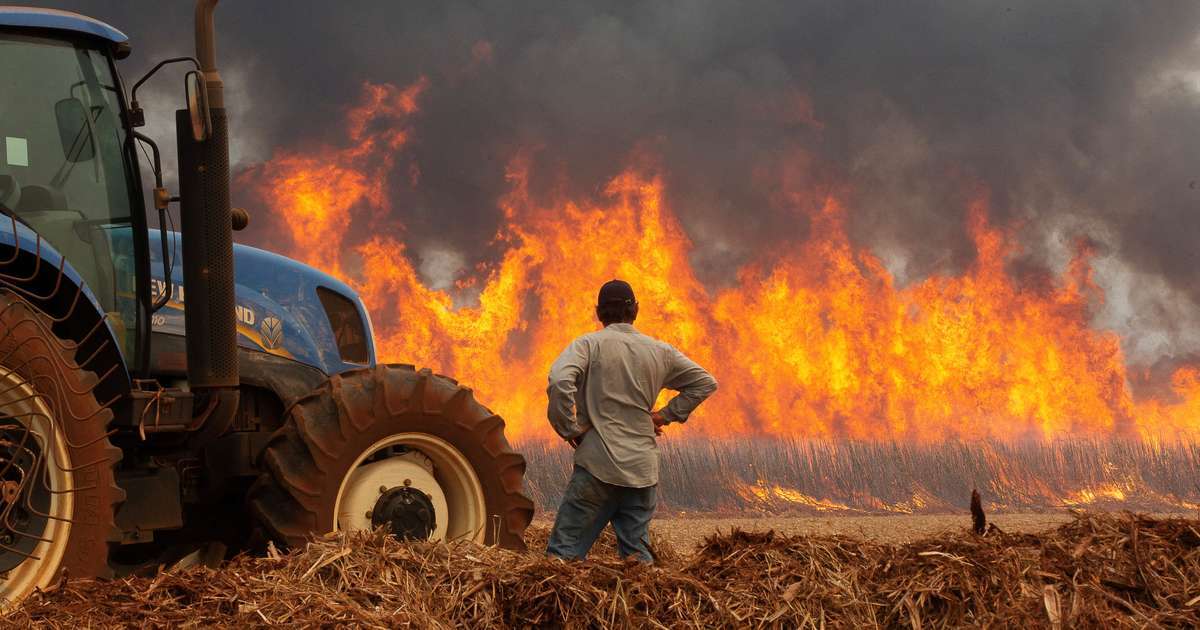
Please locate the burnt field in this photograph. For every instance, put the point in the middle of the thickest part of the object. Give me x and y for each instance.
(777, 476)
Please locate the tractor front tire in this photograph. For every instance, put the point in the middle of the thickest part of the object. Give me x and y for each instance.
(58, 495)
(410, 448)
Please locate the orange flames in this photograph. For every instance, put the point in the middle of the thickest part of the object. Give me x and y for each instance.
(817, 341)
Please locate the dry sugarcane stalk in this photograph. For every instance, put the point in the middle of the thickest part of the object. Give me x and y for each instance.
(1099, 569)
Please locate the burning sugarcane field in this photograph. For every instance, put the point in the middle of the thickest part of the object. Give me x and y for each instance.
(584, 314)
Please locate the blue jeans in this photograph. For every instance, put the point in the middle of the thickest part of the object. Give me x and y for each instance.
(589, 504)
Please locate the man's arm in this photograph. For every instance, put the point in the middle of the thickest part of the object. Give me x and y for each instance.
(565, 374)
(693, 383)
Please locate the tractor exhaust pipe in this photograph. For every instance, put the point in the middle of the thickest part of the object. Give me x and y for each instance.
(206, 52)
(207, 232)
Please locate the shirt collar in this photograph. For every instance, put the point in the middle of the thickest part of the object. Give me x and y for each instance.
(622, 327)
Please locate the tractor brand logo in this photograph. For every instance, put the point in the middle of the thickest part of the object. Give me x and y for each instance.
(272, 332)
(158, 288)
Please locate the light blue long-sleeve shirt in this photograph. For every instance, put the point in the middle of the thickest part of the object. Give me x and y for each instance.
(607, 381)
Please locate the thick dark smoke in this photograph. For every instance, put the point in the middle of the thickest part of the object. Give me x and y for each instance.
(1075, 118)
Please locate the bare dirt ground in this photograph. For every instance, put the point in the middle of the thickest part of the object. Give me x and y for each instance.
(684, 532)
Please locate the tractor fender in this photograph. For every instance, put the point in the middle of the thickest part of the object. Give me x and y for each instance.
(33, 270)
(287, 379)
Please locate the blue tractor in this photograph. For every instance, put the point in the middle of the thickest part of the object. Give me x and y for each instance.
(133, 430)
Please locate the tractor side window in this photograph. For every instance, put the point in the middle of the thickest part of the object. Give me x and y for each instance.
(62, 154)
(348, 330)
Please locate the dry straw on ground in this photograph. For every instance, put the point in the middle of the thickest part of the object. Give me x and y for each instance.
(1111, 570)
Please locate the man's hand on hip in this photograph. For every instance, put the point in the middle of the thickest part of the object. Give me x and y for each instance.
(578, 439)
(660, 421)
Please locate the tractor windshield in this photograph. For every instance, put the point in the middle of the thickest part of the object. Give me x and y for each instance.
(63, 166)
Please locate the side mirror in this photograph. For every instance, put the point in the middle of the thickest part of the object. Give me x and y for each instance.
(197, 104)
(74, 130)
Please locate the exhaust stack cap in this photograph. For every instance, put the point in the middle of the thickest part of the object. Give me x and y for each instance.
(206, 52)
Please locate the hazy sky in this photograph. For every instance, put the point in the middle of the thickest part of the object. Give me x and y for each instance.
(1079, 119)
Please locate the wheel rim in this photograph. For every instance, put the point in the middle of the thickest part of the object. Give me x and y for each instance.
(32, 474)
(431, 466)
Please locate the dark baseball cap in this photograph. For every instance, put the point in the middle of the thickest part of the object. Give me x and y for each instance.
(616, 292)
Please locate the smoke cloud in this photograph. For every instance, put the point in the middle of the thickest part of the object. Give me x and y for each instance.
(1076, 119)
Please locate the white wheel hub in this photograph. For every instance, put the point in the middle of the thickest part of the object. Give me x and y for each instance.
(427, 464)
(369, 482)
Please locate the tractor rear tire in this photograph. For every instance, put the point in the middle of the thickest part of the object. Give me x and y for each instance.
(56, 461)
(386, 413)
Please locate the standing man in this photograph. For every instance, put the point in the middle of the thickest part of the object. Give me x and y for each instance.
(602, 392)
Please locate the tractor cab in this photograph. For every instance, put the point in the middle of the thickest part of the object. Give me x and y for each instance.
(66, 167)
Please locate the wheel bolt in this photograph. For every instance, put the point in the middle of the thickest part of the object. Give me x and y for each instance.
(407, 482)
(382, 489)
(370, 514)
